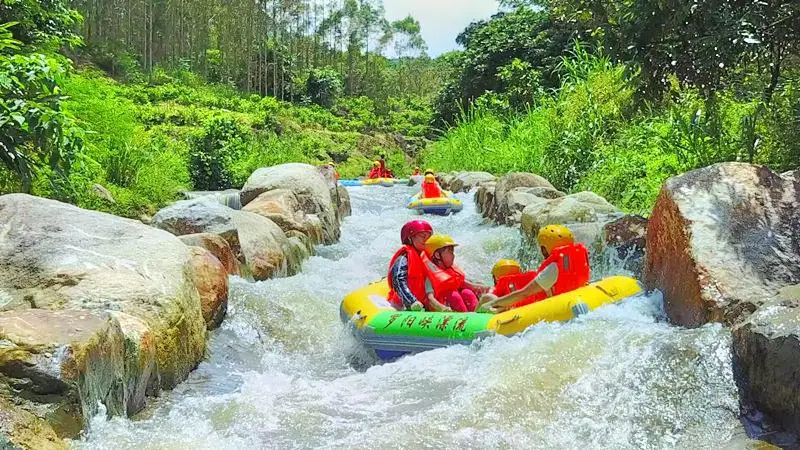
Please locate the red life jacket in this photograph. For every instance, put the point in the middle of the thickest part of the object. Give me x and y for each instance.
(573, 273)
(374, 173)
(416, 172)
(512, 283)
(416, 276)
(431, 190)
(444, 281)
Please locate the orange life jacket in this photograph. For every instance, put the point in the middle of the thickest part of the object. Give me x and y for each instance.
(431, 190)
(336, 174)
(416, 276)
(444, 281)
(512, 283)
(573, 273)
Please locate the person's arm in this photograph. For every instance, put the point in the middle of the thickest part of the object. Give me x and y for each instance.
(477, 288)
(544, 280)
(399, 274)
(434, 304)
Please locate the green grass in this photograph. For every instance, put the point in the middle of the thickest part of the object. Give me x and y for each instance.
(593, 135)
(140, 137)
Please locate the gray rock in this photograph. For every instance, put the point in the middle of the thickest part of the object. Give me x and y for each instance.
(218, 247)
(307, 183)
(767, 349)
(721, 240)
(256, 241)
(583, 207)
(505, 184)
(92, 261)
(465, 181)
(282, 207)
(103, 193)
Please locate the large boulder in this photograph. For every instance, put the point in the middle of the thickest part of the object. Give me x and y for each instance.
(218, 247)
(58, 279)
(516, 201)
(767, 352)
(62, 364)
(506, 184)
(721, 240)
(582, 207)
(339, 195)
(345, 209)
(94, 261)
(256, 241)
(465, 181)
(282, 207)
(484, 197)
(307, 183)
(211, 280)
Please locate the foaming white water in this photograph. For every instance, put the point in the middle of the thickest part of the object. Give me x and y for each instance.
(280, 372)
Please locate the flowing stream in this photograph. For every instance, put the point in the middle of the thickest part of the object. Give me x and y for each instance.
(282, 372)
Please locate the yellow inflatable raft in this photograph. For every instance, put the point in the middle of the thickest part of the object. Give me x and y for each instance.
(437, 205)
(393, 333)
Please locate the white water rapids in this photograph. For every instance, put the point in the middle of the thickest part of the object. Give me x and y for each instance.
(283, 373)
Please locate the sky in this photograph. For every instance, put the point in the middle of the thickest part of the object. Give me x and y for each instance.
(441, 20)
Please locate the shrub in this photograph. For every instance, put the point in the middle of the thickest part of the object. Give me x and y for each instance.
(213, 151)
(324, 86)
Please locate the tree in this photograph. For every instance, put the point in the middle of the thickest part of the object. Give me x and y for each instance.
(35, 135)
(524, 34)
(699, 42)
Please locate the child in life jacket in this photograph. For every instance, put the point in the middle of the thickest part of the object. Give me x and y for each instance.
(375, 172)
(565, 268)
(446, 286)
(385, 172)
(406, 271)
(430, 188)
(504, 268)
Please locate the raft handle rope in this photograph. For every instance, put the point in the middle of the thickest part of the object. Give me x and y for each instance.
(508, 321)
(357, 316)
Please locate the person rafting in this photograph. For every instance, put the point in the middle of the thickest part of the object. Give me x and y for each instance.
(430, 188)
(565, 268)
(446, 286)
(332, 165)
(385, 172)
(406, 271)
(375, 172)
(416, 171)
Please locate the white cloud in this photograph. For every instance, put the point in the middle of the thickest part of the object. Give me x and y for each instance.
(441, 20)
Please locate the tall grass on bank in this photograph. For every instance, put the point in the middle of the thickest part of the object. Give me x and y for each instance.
(148, 143)
(592, 134)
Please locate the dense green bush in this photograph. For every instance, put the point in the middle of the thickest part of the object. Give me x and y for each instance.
(213, 151)
(324, 86)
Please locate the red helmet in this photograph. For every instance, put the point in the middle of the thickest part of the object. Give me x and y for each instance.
(414, 227)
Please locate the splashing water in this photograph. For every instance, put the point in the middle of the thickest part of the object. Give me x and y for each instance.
(282, 372)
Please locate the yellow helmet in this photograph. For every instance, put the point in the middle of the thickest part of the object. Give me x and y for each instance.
(416, 167)
(505, 267)
(429, 171)
(438, 241)
(553, 236)
(376, 163)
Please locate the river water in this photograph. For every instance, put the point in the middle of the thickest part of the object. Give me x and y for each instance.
(283, 373)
